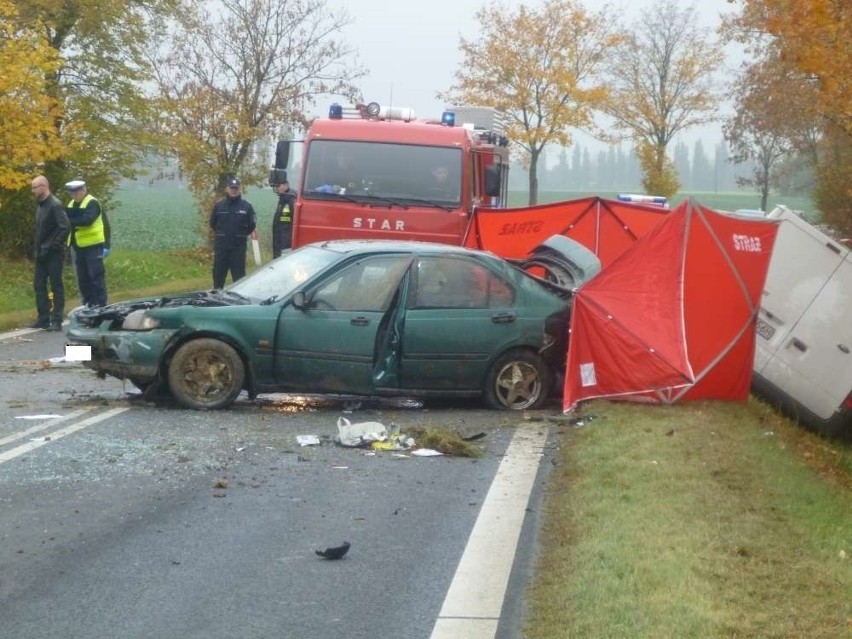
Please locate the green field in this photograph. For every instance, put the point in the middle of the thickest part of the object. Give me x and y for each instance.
(163, 219)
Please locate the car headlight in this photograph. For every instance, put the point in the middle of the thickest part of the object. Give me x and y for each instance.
(139, 321)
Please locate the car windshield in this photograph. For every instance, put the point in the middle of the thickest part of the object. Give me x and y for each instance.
(398, 174)
(282, 276)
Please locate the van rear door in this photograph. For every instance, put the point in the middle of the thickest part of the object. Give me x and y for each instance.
(804, 330)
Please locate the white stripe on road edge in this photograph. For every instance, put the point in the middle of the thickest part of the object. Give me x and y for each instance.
(48, 423)
(19, 332)
(59, 434)
(473, 603)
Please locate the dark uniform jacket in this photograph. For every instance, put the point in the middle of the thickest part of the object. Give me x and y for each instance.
(232, 220)
(282, 223)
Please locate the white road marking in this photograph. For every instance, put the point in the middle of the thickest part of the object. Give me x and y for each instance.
(50, 423)
(59, 434)
(473, 603)
(18, 332)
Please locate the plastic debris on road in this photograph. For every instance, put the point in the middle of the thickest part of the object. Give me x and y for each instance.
(371, 435)
(308, 440)
(360, 433)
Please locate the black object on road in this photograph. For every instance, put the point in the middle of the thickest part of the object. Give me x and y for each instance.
(334, 552)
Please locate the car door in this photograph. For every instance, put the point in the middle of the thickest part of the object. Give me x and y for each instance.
(330, 345)
(459, 314)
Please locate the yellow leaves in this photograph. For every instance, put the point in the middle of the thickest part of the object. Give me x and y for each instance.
(813, 37)
(540, 66)
(27, 113)
(659, 176)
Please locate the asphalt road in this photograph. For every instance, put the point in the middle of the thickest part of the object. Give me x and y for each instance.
(125, 519)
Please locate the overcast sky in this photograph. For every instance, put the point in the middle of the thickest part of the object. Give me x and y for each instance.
(411, 47)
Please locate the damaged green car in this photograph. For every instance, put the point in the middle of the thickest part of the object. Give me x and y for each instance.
(372, 318)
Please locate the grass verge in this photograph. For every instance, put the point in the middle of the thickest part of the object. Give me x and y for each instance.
(129, 274)
(697, 520)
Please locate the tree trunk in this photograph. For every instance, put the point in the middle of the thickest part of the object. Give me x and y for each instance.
(764, 187)
(534, 156)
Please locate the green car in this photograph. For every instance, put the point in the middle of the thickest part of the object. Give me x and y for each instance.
(373, 318)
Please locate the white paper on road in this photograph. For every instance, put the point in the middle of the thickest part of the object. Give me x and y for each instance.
(426, 452)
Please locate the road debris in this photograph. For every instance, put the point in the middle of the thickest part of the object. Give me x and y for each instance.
(334, 552)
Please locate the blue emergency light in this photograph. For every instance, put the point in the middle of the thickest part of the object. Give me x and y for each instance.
(335, 111)
(657, 200)
(448, 118)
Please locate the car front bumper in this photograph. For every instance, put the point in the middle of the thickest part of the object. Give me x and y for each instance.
(123, 354)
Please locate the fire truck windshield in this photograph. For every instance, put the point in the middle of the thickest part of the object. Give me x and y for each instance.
(398, 172)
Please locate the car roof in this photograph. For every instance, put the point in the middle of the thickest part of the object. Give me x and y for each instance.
(412, 246)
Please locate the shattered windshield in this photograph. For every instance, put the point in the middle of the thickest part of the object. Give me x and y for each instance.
(394, 173)
(284, 275)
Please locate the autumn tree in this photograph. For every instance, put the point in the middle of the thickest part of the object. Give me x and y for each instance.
(662, 82)
(540, 68)
(235, 76)
(100, 83)
(88, 91)
(773, 120)
(833, 189)
(811, 38)
(27, 113)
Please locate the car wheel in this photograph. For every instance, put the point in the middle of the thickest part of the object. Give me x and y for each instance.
(517, 380)
(206, 374)
(550, 271)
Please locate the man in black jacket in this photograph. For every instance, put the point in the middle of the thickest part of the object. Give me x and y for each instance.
(282, 221)
(233, 221)
(51, 232)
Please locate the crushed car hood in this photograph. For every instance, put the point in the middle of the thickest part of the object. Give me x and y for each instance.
(94, 316)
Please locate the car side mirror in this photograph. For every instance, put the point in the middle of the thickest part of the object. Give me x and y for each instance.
(300, 300)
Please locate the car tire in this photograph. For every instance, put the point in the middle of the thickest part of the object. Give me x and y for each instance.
(206, 374)
(518, 380)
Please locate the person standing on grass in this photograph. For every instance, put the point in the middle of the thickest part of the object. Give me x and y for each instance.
(282, 221)
(51, 233)
(89, 240)
(233, 221)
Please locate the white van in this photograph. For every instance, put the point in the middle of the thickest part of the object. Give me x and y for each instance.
(803, 358)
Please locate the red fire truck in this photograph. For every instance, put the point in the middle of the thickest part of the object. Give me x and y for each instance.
(372, 172)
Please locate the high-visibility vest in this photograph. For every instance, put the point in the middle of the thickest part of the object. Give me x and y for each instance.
(87, 235)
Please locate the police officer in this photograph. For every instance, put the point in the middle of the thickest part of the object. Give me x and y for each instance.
(89, 241)
(233, 221)
(282, 221)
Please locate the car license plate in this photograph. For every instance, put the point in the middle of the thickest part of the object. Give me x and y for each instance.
(78, 353)
(764, 329)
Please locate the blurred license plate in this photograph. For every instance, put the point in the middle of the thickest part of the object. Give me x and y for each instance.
(78, 353)
(764, 329)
